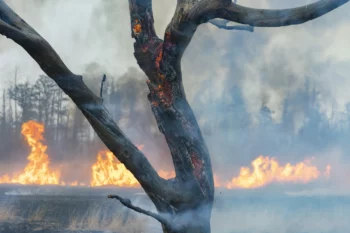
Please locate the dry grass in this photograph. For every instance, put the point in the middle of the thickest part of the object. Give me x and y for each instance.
(7, 213)
(76, 215)
(99, 219)
(37, 214)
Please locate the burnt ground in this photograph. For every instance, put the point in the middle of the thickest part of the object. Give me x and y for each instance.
(88, 210)
(72, 210)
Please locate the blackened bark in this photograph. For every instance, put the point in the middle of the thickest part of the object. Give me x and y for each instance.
(160, 60)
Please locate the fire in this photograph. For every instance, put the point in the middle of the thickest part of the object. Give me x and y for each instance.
(166, 174)
(217, 183)
(108, 171)
(159, 56)
(37, 170)
(72, 184)
(137, 27)
(267, 170)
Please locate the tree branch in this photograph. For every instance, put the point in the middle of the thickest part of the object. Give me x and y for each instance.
(126, 202)
(160, 62)
(147, 44)
(173, 113)
(225, 9)
(102, 81)
(13, 27)
(222, 24)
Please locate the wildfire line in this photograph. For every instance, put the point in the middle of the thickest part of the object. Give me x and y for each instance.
(107, 170)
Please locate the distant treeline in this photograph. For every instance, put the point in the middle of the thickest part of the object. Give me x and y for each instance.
(67, 132)
(225, 121)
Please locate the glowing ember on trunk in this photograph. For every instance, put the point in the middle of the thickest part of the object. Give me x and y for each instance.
(137, 27)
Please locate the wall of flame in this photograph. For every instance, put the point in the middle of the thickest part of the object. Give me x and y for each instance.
(108, 171)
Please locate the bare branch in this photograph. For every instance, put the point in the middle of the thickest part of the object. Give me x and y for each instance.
(102, 81)
(13, 27)
(225, 9)
(222, 24)
(126, 202)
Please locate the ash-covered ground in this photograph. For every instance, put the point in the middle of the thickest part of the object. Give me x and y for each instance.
(70, 210)
(26, 209)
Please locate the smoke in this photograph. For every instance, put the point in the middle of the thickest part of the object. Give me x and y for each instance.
(279, 92)
(81, 33)
(284, 215)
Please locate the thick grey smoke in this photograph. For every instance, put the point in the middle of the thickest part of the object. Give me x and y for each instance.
(281, 92)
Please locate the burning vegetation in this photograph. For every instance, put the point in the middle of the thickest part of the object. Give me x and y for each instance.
(108, 171)
(37, 170)
(268, 170)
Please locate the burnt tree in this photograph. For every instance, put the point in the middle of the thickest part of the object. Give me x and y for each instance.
(184, 204)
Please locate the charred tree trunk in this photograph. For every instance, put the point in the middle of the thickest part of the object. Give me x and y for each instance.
(184, 204)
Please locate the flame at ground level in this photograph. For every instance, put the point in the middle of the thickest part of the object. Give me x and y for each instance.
(267, 170)
(37, 170)
(107, 170)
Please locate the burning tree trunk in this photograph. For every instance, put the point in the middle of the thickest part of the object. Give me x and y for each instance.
(184, 204)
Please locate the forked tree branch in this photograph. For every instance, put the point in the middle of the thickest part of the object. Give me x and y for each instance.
(160, 60)
(13, 27)
(225, 9)
(175, 119)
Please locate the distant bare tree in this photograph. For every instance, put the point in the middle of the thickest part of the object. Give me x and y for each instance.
(24, 96)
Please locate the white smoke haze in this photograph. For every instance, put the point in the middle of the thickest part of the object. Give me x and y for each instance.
(81, 32)
(274, 65)
(260, 218)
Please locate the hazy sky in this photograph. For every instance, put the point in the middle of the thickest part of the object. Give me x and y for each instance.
(272, 63)
(268, 68)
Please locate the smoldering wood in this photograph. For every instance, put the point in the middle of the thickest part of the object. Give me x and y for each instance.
(188, 198)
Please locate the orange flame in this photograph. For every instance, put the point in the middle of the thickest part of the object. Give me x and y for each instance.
(137, 27)
(109, 171)
(37, 170)
(166, 174)
(267, 170)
